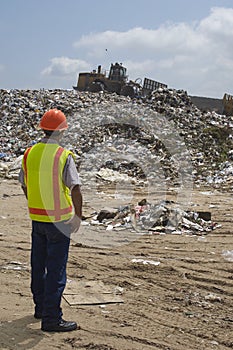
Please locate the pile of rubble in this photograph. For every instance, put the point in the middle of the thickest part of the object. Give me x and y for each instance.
(161, 218)
(208, 135)
(160, 136)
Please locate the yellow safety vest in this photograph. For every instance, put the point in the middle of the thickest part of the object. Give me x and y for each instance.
(48, 198)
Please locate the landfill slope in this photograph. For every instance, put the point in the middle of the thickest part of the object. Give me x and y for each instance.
(166, 116)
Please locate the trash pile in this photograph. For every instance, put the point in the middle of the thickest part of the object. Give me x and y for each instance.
(208, 135)
(158, 136)
(161, 218)
(223, 176)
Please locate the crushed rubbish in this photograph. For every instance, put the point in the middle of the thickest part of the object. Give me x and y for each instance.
(125, 130)
(145, 262)
(213, 298)
(223, 175)
(92, 293)
(228, 255)
(161, 218)
(110, 175)
(14, 265)
(11, 170)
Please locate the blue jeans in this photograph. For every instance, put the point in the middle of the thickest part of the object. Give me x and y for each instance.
(49, 254)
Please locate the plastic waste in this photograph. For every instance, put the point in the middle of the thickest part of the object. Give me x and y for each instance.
(228, 255)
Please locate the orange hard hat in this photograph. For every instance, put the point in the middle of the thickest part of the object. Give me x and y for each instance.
(54, 119)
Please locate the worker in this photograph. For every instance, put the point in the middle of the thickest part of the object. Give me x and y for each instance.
(51, 184)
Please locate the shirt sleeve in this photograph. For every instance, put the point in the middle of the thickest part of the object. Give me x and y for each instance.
(21, 177)
(70, 174)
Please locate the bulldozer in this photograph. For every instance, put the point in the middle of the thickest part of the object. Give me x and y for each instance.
(227, 105)
(116, 81)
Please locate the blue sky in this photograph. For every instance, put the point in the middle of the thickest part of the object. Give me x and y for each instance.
(185, 44)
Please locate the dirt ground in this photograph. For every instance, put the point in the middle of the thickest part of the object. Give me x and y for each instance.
(184, 303)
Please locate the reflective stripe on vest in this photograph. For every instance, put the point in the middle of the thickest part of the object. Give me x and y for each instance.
(25, 163)
(60, 207)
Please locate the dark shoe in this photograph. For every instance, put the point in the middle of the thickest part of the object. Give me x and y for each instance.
(62, 326)
(38, 315)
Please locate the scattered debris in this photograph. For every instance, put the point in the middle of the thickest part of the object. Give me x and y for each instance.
(213, 298)
(228, 255)
(146, 262)
(91, 293)
(14, 265)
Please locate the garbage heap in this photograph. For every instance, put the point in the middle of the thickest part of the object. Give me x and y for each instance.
(110, 125)
(155, 218)
(208, 135)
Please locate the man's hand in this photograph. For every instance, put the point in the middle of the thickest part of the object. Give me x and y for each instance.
(75, 223)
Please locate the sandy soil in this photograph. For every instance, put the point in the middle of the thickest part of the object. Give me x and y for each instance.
(184, 303)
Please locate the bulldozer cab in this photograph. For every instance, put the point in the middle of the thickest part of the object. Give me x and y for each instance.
(117, 73)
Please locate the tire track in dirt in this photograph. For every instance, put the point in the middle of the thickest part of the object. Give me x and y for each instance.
(181, 283)
(166, 307)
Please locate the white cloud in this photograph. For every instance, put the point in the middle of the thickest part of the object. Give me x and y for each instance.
(2, 67)
(64, 66)
(142, 41)
(197, 57)
(218, 30)
(218, 22)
